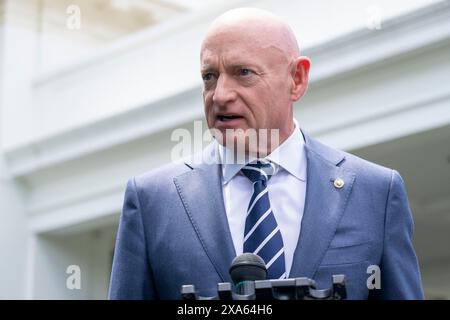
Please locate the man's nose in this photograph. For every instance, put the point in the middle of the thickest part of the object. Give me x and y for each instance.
(224, 92)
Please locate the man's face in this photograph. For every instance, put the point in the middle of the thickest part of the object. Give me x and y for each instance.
(247, 83)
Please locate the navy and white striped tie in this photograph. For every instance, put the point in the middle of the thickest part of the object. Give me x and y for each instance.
(262, 235)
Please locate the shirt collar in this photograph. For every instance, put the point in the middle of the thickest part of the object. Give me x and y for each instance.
(290, 156)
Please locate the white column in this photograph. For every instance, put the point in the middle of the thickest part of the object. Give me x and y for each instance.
(17, 34)
(19, 46)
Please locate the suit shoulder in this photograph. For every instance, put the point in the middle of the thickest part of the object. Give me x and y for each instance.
(349, 161)
(369, 173)
(161, 175)
(362, 165)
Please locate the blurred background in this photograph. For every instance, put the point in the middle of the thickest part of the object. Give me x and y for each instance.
(91, 90)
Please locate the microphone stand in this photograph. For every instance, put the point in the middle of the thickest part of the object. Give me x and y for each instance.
(285, 289)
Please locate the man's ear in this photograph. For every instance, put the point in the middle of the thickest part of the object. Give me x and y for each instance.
(300, 71)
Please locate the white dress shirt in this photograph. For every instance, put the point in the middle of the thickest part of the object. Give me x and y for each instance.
(287, 189)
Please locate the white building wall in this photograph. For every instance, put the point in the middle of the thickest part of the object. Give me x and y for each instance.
(13, 230)
(13, 237)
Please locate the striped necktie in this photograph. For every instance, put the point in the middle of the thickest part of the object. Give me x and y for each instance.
(262, 235)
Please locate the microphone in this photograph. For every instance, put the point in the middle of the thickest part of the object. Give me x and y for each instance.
(244, 270)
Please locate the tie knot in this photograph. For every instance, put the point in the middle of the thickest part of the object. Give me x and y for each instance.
(260, 170)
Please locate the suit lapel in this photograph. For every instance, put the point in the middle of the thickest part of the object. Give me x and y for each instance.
(324, 207)
(201, 193)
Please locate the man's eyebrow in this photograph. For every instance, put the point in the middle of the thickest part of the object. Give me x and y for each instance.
(233, 66)
(243, 65)
(207, 67)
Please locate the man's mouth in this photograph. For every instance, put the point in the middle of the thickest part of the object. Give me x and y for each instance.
(226, 118)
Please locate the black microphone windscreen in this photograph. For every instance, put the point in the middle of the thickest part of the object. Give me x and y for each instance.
(247, 267)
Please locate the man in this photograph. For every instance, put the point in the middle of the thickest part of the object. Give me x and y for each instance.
(328, 213)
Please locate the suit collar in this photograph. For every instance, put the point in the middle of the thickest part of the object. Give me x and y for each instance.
(289, 156)
(211, 155)
(326, 153)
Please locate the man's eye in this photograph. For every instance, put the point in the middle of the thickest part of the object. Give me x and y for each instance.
(245, 72)
(207, 76)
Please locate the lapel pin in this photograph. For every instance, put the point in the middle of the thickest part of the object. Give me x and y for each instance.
(339, 183)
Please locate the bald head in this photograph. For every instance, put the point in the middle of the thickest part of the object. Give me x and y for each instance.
(263, 27)
(252, 74)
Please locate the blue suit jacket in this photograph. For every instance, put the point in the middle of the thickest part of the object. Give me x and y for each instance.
(174, 230)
